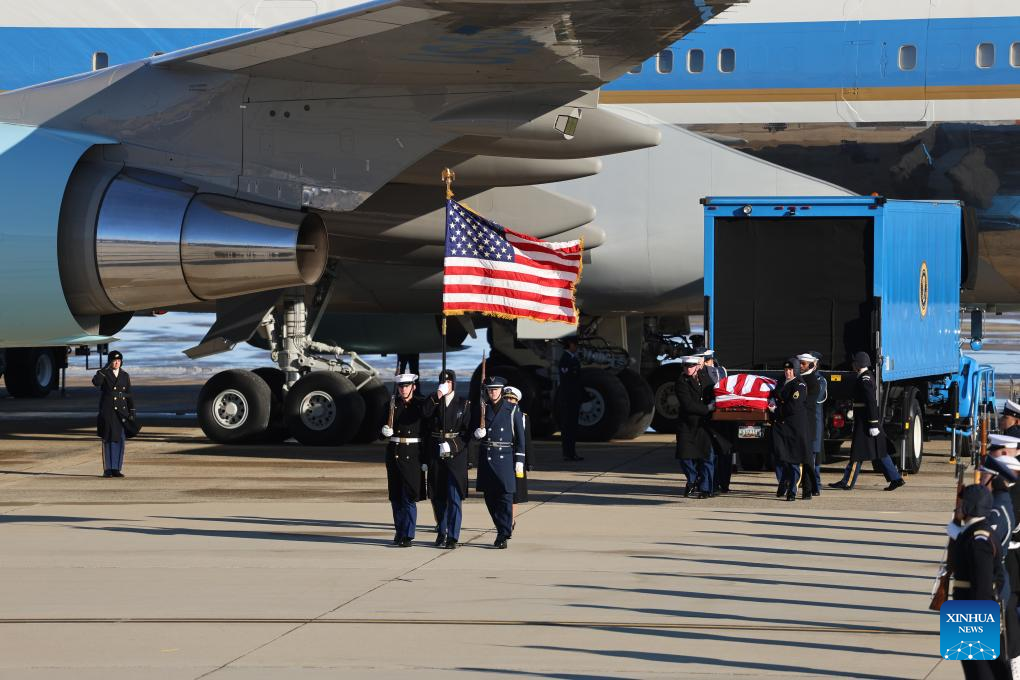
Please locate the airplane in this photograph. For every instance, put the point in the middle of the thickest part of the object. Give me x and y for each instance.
(238, 156)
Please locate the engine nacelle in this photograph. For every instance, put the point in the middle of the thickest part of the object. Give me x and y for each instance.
(140, 241)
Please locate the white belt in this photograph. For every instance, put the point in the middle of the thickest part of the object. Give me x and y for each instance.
(404, 440)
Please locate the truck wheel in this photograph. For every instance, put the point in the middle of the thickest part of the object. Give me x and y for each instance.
(605, 407)
(31, 372)
(667, 408)
(914, 437)
(323, 409)
(276, 431)
(642, 405)
(377, 409)
(234, 406)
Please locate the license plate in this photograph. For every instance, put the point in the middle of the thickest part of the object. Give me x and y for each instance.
(751, 432)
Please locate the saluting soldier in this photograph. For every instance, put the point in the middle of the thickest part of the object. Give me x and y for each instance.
(868, 438)
(815, 387)
(971, 558)
(712, 373)
(116, 405)
(790, 436)
(405, 467)
(1009, 422)
(449, 430)
(693, 437)
(500, 456)
(570, 396)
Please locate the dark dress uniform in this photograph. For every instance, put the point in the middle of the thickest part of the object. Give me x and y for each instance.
(501, 447)
(405, 480)
(693, 438)
(448, 472)
(116, 405)
(972, 559)
(521, 491)
(791, 444)
(815, 385)
(863, 446)
(722, 449)
(571, 396)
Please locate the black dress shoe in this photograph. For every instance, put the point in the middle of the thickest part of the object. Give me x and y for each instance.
(405, 542)
(791, 496)
(397, 538)
(500, 544)
(108, 473)
(838, 485)
(703, 494)
(687, 490)
(816, 492)
(780, 490)
(441, 540)
(895, 484)
(806, 496)
(116, 473)
(451, 544)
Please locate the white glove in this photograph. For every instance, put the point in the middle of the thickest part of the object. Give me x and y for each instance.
(424, 467)
(519, 469)
(443, 390)
(772, 405)
(873, 432)
(387, 431)
(480, 433)
(444, 447)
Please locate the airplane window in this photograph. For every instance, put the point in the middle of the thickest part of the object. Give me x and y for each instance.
(100, 60)
(727, 60)
(908, 57)
(665, 61)
(1014, 55)
(695, 61)
(636, 69)
(986, 55)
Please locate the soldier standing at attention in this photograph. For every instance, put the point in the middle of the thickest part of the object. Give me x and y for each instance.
(500, 455)
(693, 439)
(513, 395)
(790, 435)
(448, 421)
(116, 405)
(571, 394)
(404, 457)
(868, 439)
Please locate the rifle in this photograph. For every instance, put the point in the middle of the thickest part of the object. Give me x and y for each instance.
(481, 397)
(393, 397)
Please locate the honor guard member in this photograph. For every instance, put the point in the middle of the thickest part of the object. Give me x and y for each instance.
(449, 427)
(819, 443)
(513, 395)
(722, 451)
(868, 441)
(1012, 563)
(500, 454)
(816, 431)
(998, 477)
(715, 370)
(693, 438)
(116, 405)
(971, 559)
(570, 397)
(1009, 422)
(791, 444)
(405, 470)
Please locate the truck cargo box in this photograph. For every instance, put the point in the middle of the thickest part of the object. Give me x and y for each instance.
(838, 275)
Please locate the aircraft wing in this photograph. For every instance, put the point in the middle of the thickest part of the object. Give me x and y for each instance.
(435, 42)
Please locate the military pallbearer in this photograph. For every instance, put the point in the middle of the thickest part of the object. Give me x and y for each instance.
(500, 454)
(405, 466)
(448, 423)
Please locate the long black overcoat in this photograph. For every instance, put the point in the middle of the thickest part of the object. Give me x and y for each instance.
(116, 403)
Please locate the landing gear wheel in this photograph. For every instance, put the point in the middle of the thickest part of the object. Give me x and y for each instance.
(604, 406)
(234, 407)
(377, 408)
(914, 437)
(323, 409)
(667, 408)
(31, 372)
(276, 432)
(642, 405)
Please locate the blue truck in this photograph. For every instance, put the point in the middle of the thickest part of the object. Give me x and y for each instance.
(839, 275)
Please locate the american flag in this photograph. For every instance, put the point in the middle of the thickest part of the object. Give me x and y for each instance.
(744, 391)
(493, 270)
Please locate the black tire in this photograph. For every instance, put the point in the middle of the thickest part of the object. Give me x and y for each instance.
(377, 409)
(31, 372)
(276, 431)
(914, 436)
(663, 384)
(610, 405)
(323, 409)
(234, 407)
(642, 405)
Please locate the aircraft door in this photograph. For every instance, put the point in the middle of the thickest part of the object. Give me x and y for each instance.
(884, 63)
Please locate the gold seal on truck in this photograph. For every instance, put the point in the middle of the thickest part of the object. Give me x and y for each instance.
(923, 290)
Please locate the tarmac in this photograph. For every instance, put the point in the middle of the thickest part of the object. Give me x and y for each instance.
(275, 562)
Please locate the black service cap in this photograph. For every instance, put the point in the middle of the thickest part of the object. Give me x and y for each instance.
(975, 501)
(862, 360)
(447, 374)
